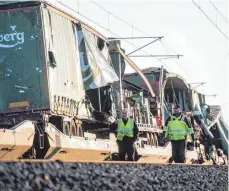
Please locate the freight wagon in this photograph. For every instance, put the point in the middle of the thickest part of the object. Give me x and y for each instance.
(55, 85)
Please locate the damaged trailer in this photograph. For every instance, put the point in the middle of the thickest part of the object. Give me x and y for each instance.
(52, 68)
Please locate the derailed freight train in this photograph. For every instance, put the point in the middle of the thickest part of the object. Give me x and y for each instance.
(61, 82)
(211, 132)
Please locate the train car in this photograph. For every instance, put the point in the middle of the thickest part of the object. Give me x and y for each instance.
(62, 83)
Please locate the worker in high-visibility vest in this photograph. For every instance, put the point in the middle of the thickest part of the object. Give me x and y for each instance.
(127, 133)
(177, 128)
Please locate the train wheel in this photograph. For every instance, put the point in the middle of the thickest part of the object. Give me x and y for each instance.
(152, 140)
(73, 129)
(79, 130)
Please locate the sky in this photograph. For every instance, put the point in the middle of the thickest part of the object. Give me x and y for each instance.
(186, 31)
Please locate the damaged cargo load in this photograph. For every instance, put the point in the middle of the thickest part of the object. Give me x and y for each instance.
(38, 74)
(55, 71)
(62, 84)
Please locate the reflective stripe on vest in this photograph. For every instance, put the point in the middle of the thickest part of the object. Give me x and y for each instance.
(177, 128)
(125, 130)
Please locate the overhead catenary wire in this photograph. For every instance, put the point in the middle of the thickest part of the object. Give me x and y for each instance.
(111, 32)
(133, 27)
(167, 48)
(182, 68)
(144, 46)
(210, 20)
(173, 51)
(218, 11)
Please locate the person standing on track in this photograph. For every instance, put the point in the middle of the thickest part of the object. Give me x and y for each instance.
(177, 127)
(127, 133)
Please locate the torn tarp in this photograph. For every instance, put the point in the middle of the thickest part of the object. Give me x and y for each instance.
(95, 66)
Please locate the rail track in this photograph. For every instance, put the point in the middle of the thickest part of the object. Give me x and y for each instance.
(110, 175)
(157, 161)
(109, 162)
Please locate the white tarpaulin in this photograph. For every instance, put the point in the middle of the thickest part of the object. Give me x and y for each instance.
(95, 67)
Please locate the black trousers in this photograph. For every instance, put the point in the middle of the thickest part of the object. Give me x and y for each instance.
(126, 147)
(178, 151)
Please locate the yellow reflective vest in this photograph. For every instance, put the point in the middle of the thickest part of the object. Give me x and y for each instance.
(177, 129)
(125, 130)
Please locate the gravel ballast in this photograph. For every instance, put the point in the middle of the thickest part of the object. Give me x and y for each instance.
(50, 176)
